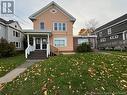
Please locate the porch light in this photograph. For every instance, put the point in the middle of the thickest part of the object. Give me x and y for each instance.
(44, 40)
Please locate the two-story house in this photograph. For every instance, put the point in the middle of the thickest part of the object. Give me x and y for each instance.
(113, 35)
(52, 32)
(12, 32)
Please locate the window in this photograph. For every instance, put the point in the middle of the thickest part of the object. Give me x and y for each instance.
(59, 27)
(17, 34)
(14, 33)
(15, 26)
(100, 34)
(109, 31)
(114, 37)
(17, 44)
(103, 40)
(80, 41)
(64, 27)
(60, 42)
(42, 27)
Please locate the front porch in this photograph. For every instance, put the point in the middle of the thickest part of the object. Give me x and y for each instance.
(38, 43)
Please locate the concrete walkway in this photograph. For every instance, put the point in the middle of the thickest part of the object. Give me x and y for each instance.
(17, 71)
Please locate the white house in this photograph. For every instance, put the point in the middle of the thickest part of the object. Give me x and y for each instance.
(12, 32)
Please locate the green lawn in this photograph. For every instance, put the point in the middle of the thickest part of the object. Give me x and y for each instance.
(8, 64)
(118, 53)
(77, 74)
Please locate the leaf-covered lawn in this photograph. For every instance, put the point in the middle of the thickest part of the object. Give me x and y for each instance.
(118, 53)
(78, 74)
(8, 64)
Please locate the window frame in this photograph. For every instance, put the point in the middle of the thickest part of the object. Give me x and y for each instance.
(57, 27)
(82, 40)
(41, 26)
(60, 39)
(109, 31)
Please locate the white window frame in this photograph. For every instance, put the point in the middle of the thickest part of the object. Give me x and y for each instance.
(100, 34)
(114, 37)
(103, 40)
(40, 25)
(19, 44)
(82, 40)
(58, 29)
(109, 31)
(14, 33)
(60, 38)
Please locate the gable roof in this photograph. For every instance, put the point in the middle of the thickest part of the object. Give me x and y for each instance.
(118, 20)
(33, 16)
(6, 22)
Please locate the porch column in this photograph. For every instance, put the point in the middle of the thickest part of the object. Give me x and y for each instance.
(48, 46)
(28, 40)
(41, 43)
(124, 35)
(34, 43)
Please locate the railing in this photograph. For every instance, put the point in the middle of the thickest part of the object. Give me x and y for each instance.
(28, 50)
(54, 50)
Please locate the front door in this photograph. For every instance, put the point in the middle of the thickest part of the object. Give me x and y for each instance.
(44, 43)
(38, 43)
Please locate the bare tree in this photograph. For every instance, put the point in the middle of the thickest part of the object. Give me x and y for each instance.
(91, 25)
(90, 28)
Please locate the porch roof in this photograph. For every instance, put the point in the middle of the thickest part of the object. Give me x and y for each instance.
(36, 32)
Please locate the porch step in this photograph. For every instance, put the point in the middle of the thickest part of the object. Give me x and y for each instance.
(38, 54)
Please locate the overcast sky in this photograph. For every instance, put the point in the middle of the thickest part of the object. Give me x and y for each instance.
(102, 11)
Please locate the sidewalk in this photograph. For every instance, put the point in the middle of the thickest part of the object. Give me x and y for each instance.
(17, 71)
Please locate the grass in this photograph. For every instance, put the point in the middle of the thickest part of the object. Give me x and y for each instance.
(8, 64)
(78, 74)
(118, 53)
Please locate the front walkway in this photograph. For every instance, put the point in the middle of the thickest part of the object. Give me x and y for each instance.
(17, 71)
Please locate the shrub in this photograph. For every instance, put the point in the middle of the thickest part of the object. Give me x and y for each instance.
(84, 47)
(6, 49)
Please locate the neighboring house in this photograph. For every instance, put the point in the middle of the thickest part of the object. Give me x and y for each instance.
(53, 31)
(12, 32)
(113, 35)
(77, 40)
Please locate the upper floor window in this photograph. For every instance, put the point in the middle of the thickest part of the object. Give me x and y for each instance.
(17, 34)
(109, 31)
(59, 26)
(14, 33)
(42, 26)
(100, 34)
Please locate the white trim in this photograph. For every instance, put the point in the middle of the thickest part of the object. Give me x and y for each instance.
(28, 40)
(86, 36)
(111, 25)
(47, 7)
(61, 26)
(124, 38)
(109, 31)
